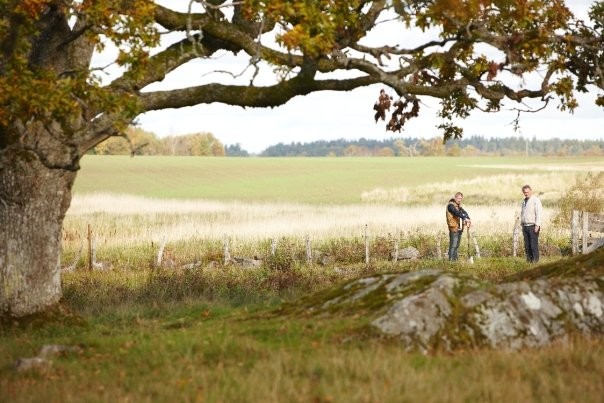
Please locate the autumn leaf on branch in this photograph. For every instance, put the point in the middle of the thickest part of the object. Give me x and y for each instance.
(400, 114)
(382, 105)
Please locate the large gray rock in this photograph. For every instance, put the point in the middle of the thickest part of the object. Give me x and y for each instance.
(435, 309)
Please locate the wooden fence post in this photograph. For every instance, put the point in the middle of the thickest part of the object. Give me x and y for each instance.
(90, 248)
(395, 251)
(273, 246)
(160, 253)
(308, 249)
(595, 227)
(516, 236)
(227, 254)
(574, 231)
(585, 232)
(366, 246)
(476, 245)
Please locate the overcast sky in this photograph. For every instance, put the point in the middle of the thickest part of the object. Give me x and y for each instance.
(333, 115)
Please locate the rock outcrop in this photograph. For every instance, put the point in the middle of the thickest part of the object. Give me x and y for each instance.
(436, 309)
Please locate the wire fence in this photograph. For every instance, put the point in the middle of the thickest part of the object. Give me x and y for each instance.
(364, 249)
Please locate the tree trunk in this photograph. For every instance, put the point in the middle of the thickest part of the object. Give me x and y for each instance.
(33, 202)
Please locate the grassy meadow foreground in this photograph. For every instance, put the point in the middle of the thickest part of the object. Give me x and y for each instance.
(214, 333)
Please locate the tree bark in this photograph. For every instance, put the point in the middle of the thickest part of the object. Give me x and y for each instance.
(33, 200)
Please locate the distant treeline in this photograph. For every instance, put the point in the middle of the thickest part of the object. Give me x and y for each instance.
(140, 142)
(408, 147)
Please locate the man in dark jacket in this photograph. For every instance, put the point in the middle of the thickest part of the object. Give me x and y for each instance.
(457, 217)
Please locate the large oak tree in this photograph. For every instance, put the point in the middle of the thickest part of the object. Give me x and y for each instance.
(55, 106)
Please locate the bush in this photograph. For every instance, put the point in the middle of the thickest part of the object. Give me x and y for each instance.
(285, 256)
(587, 194)
(345, 250)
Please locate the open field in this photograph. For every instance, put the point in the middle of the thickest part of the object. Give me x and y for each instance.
(212, 333)
(144, 200)
(328, 180)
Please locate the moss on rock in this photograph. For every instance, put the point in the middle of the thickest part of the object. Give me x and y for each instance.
(433, 309)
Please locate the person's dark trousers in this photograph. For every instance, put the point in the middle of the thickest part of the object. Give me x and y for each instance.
(531, 243)
(454, 239)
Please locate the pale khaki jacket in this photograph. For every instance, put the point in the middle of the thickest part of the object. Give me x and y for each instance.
(532, 211)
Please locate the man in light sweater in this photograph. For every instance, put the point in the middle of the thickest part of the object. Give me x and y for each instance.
(530, 219)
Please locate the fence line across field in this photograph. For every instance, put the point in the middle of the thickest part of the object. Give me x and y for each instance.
(93, 264)
(587, 234)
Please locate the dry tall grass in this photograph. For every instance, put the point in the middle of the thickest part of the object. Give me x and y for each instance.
(481, 190)
(492, 201)
(122, 220)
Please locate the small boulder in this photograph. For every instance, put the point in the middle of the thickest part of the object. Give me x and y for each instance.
(32, 364)
(408, 253)
(247, 262)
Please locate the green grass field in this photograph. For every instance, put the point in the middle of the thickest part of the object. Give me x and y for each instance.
(302, 180)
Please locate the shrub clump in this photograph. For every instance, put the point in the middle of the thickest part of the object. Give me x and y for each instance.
(587, 194)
